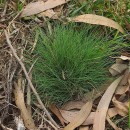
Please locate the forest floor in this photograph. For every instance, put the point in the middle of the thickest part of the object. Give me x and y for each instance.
(109, 108)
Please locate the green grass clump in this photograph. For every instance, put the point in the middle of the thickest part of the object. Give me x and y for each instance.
(71, 63)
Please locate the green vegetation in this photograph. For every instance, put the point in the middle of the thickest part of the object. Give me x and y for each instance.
(20, 5)
(71, 63)
(2, 1)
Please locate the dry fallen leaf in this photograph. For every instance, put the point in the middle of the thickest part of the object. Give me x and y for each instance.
(59, 10)
(121, 108)
(84, 128)
(56, 111)
(102, 108)
(96, 19)
(71, 115)
(124, 80)
(122, 89)
(40, 6)
(116, 69)
(49, 13)
(73, 105)
(19, 100)
(112, 112)
(81, 116)
(124, 57)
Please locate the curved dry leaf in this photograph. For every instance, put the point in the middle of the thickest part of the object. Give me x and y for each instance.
(73, 105)
(121, 108)
(90, 119)
(102, 108)
(112, 112)
(124, 80)
(81, 116)
(124, 57)
(71, 115)
(56, 111)
(19, 100)
(96, 19)
(40, 6)
(122, 89)
(116, 69)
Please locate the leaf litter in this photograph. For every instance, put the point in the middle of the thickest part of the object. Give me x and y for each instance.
(40, 6)
(80, 117)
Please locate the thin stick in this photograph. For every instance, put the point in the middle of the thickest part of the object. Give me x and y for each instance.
(43, 117)
(29, 81)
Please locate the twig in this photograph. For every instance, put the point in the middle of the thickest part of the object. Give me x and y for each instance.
(4, 127)
(13, 20)
(9, 89)
(28, 79)
(43, 117)
(29, 89)
(5, 9)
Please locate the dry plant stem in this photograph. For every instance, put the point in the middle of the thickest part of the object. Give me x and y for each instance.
(28, 101)
(43, 117)
(13, 20)
(5, 8)
(29, 81)
(4, 127)
(112, 124)
(9, 88)
(28, 90)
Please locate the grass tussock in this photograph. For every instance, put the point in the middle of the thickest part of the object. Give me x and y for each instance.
(71, 63)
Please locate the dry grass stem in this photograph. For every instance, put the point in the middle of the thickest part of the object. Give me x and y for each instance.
(28, 79)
